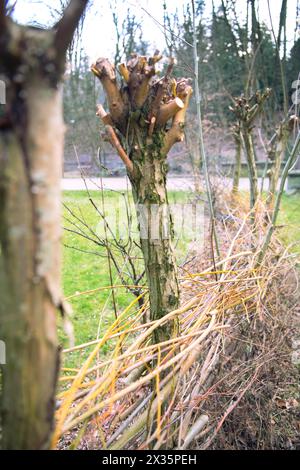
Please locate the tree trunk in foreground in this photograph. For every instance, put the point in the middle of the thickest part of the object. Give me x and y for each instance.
(31, 146)
(139, 112)
(30, 275)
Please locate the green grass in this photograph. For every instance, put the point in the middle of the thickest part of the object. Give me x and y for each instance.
(83, 271)
(290, 218)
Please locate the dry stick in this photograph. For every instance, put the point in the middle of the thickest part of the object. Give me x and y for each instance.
(207, 366)
(290, 162)
(128, 420)
(169, 343)
(108, 251)
(131, 348)
(194, 431)
(237, 166)
(201, 142)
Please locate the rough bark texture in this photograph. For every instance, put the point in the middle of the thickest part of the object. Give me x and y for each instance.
(30, 275)
(140, 111)
(156, 232)
(31, 148)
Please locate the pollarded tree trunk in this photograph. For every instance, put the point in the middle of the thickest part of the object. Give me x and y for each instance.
(140, 111)
(31, 146)
(156, 232)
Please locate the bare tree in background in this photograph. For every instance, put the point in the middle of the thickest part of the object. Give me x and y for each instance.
(31, 147)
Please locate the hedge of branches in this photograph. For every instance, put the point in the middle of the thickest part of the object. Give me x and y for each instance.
(181, 393)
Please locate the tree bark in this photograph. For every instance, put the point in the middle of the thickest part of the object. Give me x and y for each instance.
(30, 273)
(31, 148)
(156, 233)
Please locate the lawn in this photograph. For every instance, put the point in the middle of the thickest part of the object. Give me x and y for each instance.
(290, 218)
(85, 265)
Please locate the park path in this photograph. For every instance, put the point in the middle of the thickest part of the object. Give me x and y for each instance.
(122, 183)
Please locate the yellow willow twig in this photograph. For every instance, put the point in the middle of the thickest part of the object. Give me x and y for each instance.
(102, 384)
(165, 392)
(234, 280)
(141, 381)
(158, 426)
(187, 306)
(113, 371)
(99, 289)
(63, 411)
(67, 377)
(82, 386)
(112, 336)
(208, 273)
(169, 342)
(220, 263)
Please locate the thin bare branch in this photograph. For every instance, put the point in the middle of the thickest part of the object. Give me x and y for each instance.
(66, 27)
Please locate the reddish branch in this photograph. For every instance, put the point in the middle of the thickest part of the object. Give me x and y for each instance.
(159, 100)
(113, 139)
(105, 71)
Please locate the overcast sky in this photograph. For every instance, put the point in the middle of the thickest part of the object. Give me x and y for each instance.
(99, 34)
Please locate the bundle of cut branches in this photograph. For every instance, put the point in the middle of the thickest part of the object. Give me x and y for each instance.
(180, 392)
